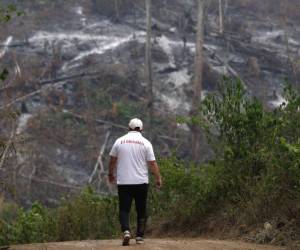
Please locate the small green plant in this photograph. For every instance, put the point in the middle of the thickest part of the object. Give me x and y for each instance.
(128, 110)
(6, 12)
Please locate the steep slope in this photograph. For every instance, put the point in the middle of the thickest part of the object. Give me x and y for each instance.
(77, 73)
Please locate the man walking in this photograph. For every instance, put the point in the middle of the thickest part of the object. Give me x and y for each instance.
(131, 155)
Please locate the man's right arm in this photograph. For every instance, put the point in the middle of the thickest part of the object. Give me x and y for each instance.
(155, 171)
(111, 169)
(113, 162)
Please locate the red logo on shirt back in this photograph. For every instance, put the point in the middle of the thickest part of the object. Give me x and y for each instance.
(132, 142)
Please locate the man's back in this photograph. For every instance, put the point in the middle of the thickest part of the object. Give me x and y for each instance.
(133, 152)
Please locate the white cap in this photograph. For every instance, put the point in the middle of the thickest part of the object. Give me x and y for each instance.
(135, 123)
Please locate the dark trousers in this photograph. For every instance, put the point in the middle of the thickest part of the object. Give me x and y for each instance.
(126, 194)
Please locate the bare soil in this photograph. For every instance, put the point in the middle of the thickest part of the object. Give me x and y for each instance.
(150, 244)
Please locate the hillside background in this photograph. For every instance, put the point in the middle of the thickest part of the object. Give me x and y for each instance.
(76, 76)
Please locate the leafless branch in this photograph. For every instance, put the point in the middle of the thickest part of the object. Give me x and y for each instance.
(8, 145)
(231, 70)
(36, 179)
(99, 160)
(96, 120)
(49, 84)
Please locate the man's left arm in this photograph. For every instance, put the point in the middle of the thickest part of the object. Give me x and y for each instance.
(155, 171)
(112, 168)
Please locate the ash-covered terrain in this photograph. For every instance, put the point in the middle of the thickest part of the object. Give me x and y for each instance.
(76, 76)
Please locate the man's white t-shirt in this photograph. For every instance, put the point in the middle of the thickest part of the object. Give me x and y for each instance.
(133, 152)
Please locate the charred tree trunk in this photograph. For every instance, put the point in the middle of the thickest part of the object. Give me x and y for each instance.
(117, 10)
(291, 61)
(148, 65)
(197, 88)
(221, 17)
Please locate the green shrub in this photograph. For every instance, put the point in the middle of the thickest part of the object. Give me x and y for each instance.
(189, 191)
(260, 148)
(88, 216)
(257, 164)
(36, 225)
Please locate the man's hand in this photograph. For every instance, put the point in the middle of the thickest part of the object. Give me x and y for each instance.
(111, 179)
(159, 183)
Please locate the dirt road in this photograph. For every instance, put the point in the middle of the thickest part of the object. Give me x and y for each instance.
(151, 244)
